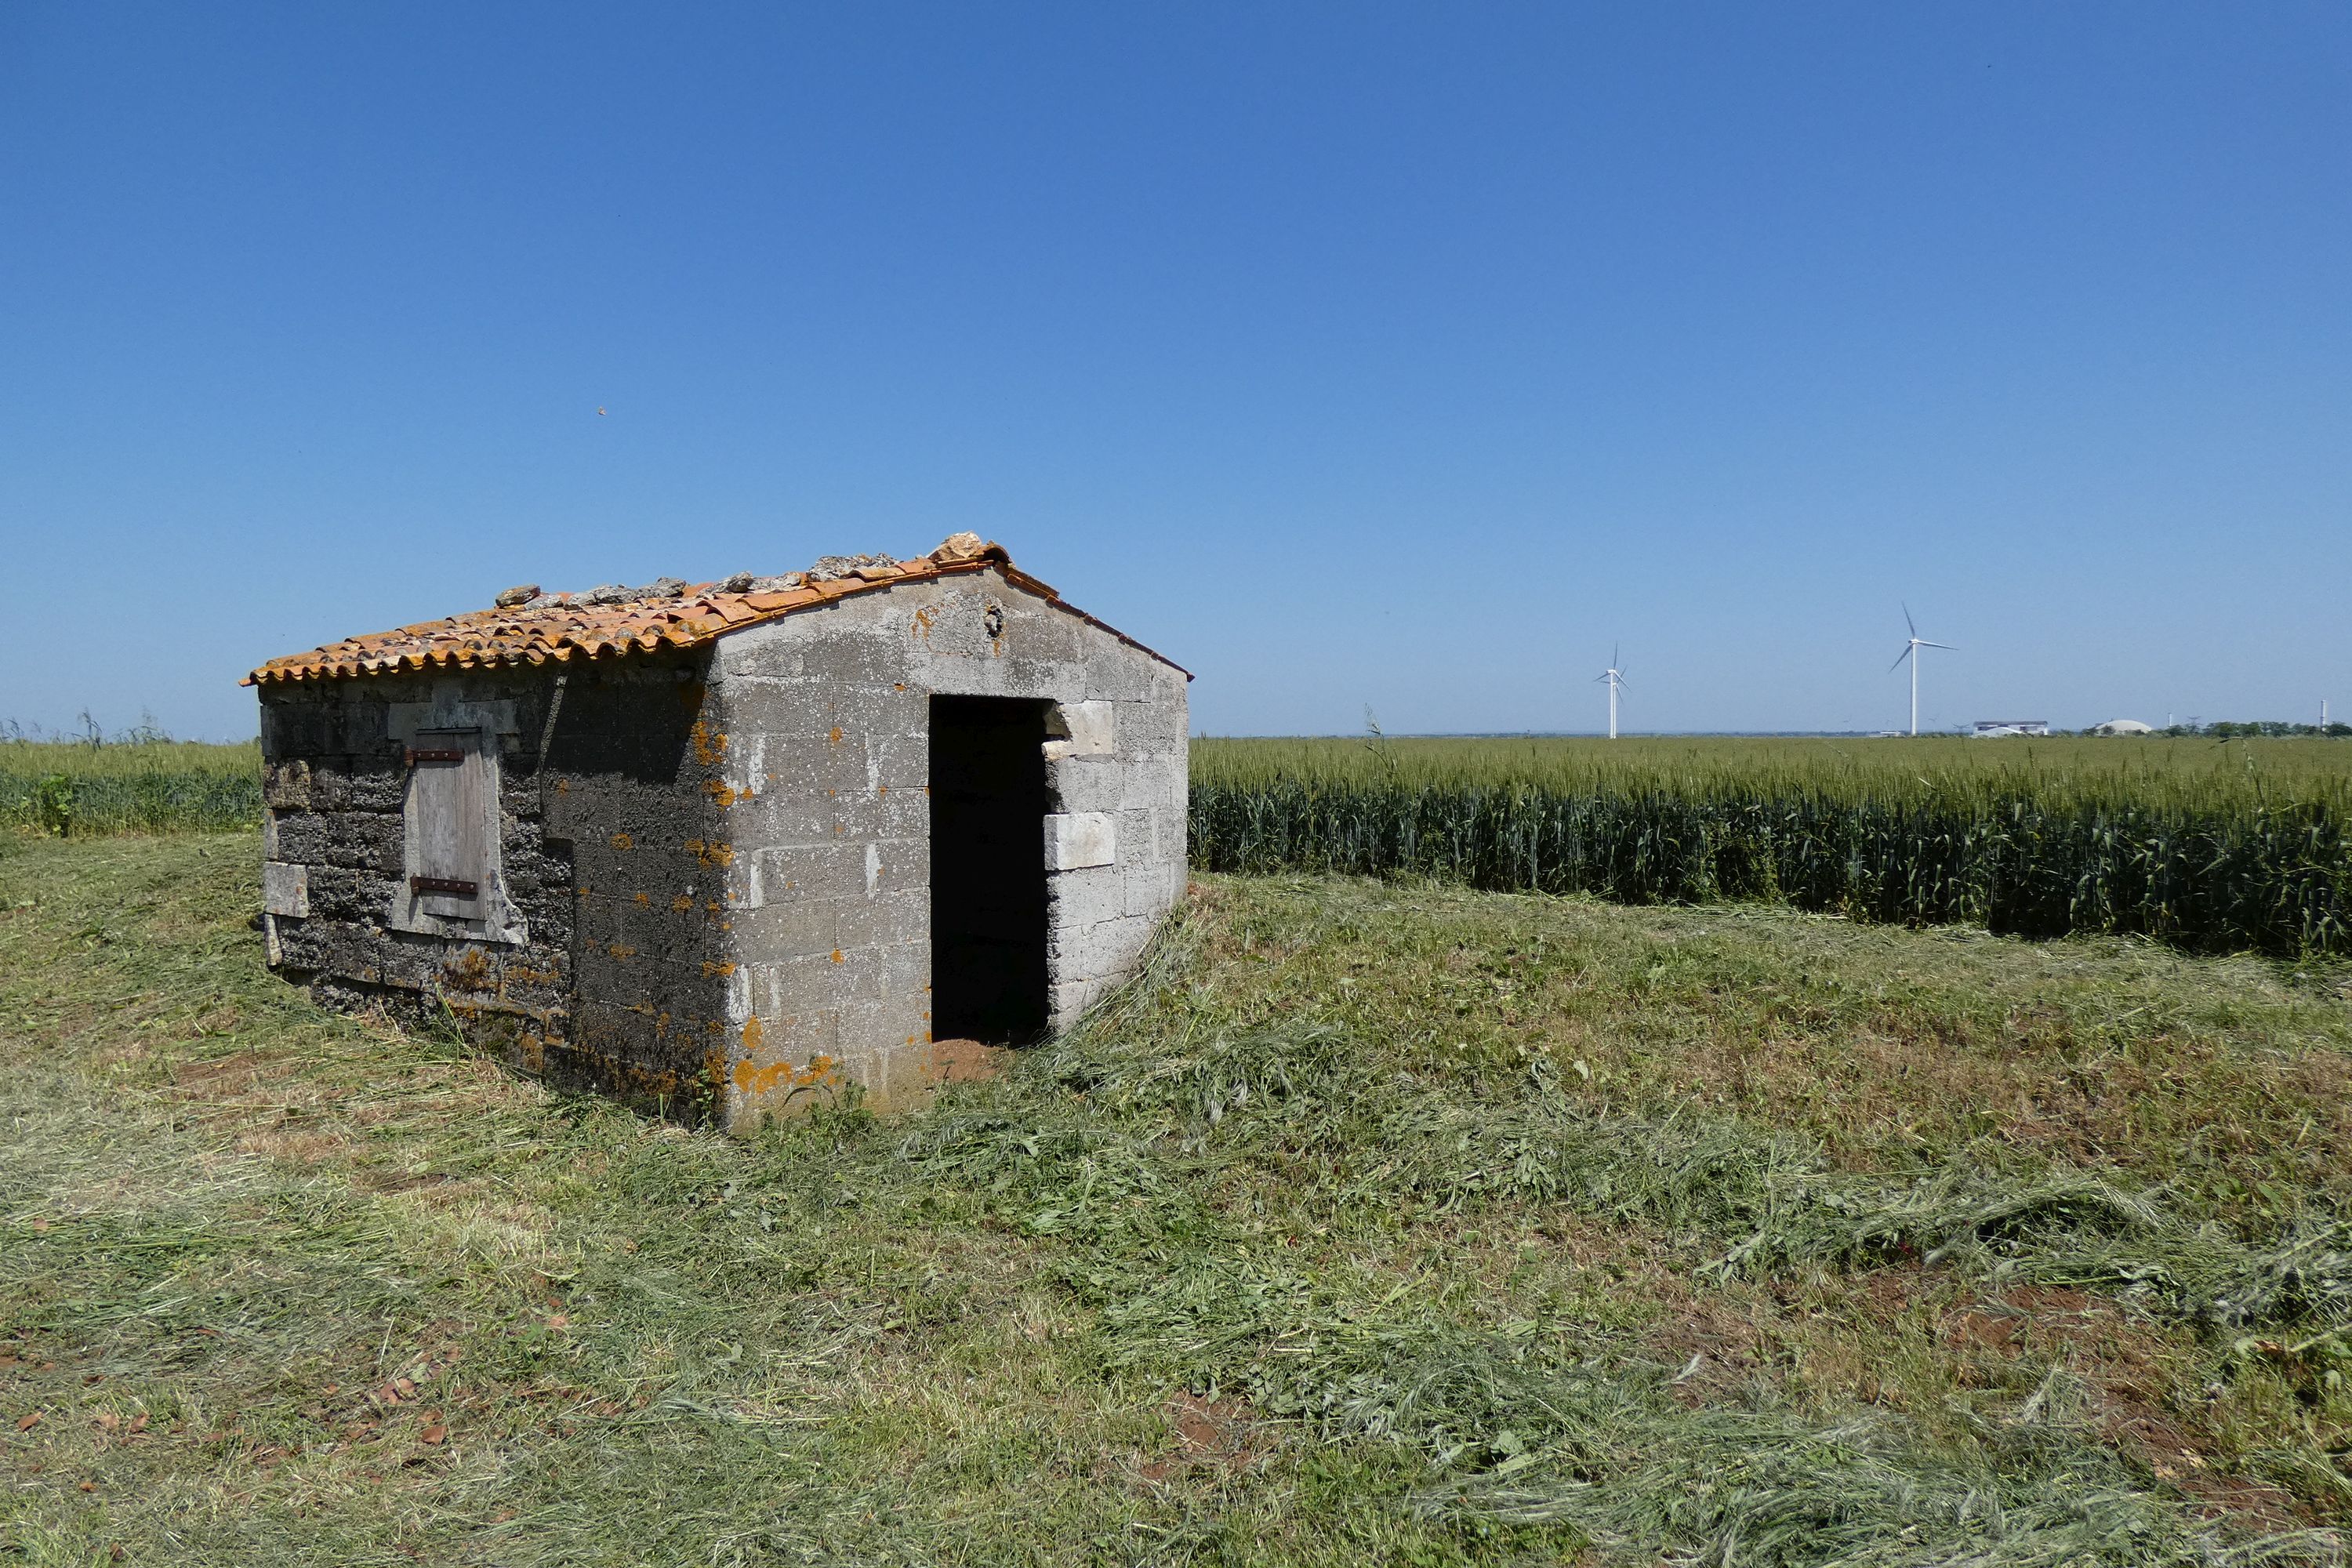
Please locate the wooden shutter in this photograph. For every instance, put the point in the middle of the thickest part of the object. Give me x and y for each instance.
(448, 821)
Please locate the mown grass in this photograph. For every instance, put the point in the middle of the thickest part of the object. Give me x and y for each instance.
(2212, 846)
(1378, 1222)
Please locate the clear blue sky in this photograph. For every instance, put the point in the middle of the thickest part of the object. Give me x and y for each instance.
(1408, 356)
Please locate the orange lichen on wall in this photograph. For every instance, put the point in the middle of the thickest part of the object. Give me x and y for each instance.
(759, 1080)
(711, 853)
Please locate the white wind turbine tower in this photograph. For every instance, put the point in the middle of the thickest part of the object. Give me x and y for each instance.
(1911, 651)
(1614, 678)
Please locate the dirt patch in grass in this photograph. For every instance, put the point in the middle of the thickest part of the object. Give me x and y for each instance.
(1210, 1435)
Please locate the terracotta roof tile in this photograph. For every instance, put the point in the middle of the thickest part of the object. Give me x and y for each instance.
(551, 626)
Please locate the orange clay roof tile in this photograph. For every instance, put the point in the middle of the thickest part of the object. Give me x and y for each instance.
(568, 625)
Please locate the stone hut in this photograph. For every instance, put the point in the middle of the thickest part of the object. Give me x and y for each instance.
(723, 851)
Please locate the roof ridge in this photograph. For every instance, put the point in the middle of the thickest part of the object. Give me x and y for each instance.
(535, 628)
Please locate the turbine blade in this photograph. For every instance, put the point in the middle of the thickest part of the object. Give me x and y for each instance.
(1899, 658)
(1613, 648)
(1924, 643)
(1909, 622)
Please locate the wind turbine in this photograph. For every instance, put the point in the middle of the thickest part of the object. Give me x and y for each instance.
(1614, 678)
(1911, 651)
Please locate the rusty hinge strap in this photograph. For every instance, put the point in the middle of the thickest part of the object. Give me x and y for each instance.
(416, 755)
(445, 885)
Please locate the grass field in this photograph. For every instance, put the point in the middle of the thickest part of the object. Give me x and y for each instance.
(159, 787)
(1382, 1222)
(2150, 770)
(2212, 846)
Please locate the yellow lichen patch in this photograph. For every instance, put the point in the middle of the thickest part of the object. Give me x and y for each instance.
(645, 898)
(470, 971)
(710, 852)
(752, 1033)
(618, 950)
(563, 787)
(923, 625)
(716, 971)
(722, 795)
(622, 841)
(710, 745)
(836, 955)
(682, 904)
(834, 738)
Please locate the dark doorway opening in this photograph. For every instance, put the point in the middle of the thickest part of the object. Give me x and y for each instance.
(988, 870)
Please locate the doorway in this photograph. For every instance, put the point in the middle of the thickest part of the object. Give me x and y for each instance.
(988, 870)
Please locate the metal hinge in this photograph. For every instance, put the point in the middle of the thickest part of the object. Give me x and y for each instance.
(436, 756)
(445, 885)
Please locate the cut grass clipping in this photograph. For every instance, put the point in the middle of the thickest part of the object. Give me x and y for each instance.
(1257, 1266)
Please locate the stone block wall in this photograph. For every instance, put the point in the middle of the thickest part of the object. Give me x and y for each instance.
(717, 864)
(611, 978)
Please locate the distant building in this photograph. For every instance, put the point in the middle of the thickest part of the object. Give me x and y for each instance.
(1988, 728)
(2123, 727)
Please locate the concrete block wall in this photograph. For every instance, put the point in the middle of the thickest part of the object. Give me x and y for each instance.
(825, 718)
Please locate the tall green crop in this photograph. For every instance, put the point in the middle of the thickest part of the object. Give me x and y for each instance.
(2202, 845)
